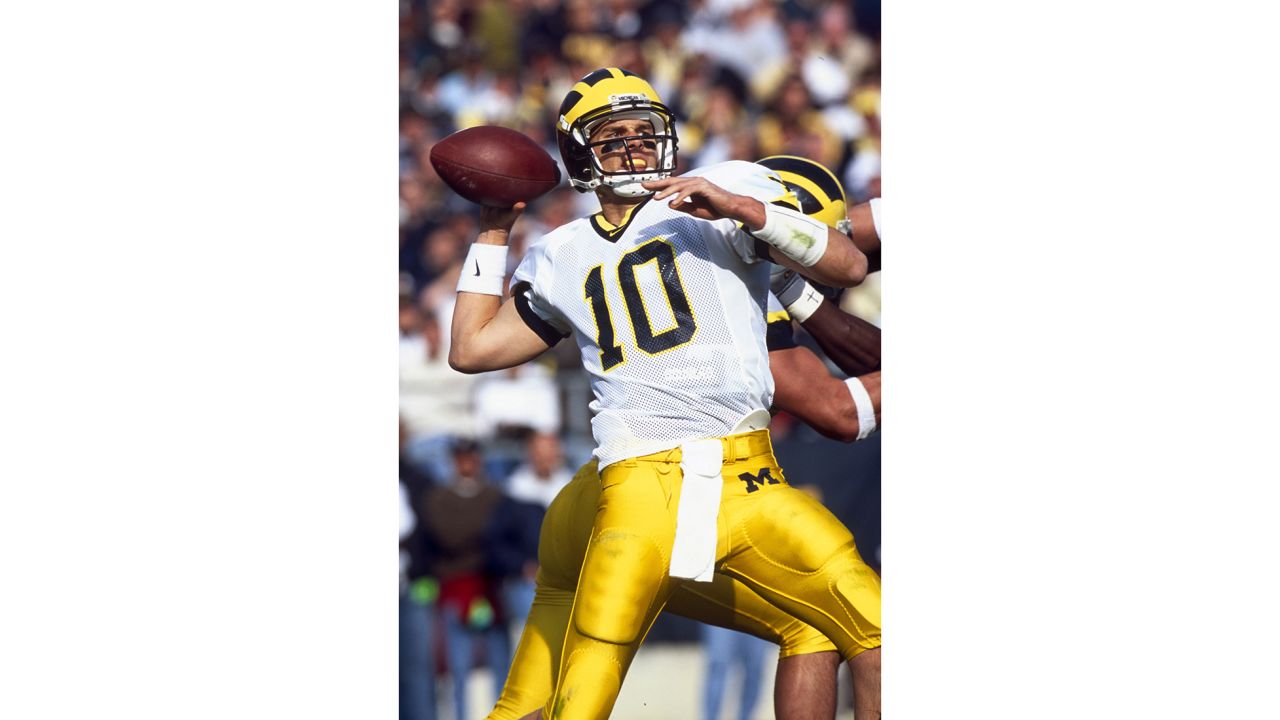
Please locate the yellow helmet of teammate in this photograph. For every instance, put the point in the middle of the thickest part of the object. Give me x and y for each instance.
(613, 94)
(820, 194)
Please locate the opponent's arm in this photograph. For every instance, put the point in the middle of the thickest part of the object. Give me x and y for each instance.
(852, 343)
(803, 387)
(795, 239)
(488, 334)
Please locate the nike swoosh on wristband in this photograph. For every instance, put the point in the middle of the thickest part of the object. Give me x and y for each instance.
(477, 268)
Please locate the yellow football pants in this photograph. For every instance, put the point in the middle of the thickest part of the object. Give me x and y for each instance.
(565, 532)
(776, 540)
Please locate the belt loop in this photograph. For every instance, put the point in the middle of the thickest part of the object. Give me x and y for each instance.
(741, 448)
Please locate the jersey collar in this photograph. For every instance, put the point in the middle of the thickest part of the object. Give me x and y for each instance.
(608, 230)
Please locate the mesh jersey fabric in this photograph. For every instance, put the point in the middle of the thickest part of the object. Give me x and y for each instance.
(668, 312)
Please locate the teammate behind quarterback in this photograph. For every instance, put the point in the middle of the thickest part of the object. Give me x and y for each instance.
(666, 302)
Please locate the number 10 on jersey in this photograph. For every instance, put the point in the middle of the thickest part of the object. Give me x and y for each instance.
(657, 251)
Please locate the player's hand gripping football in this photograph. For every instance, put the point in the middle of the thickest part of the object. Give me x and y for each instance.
(496, 223)
(703, 199)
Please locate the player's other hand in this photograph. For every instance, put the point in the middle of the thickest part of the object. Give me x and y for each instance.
(703, 199)
(496, 223)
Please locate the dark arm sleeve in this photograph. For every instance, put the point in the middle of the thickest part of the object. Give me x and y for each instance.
(545, 330)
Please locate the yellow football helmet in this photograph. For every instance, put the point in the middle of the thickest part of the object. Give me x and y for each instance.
(613, 94)
(820, 194)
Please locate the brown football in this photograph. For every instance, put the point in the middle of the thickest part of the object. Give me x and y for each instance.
(494, 166)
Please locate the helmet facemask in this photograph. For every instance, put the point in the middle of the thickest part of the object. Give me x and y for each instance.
(635, 169)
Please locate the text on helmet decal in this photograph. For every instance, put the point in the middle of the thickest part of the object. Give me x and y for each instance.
(628, 97)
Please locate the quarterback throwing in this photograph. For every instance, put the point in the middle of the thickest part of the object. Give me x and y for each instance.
(664, 292)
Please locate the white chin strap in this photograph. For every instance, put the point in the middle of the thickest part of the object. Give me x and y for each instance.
(629, 185)
(630, 190)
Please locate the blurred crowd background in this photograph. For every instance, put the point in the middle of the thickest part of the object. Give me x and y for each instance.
(482, 455)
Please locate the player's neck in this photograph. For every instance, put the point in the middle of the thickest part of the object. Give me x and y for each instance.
(615, 207)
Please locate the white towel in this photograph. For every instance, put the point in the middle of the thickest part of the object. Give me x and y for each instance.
(693, 553)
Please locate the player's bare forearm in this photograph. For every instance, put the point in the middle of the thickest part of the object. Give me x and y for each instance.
(803, 387)
(842, 265)
(488, 334)
(852, 343)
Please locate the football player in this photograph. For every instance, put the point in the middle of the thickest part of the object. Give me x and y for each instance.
(805, 686)
(653, 290)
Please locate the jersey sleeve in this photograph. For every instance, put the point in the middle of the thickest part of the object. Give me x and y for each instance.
(756, 181)
(529, 287)
(779, 334)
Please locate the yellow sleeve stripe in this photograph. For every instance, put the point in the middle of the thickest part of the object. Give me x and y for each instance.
(777, 316)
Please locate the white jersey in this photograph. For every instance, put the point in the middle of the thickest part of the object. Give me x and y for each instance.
(668, 312)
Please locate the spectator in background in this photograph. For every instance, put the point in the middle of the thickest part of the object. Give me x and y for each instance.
(862, 177)
(417, 596)
(543, 474)
(435, 399)
(456, 519)
(838, 43)
(588, 42)
(495, 106)
(460, 87)
(512, 402)
(727, 649)
(663, 52)
(718, 120)
(862, 180)
(793, 126)
(743, 35)
(530, 489)
(495, 29)
(624, 18)
(543, 30)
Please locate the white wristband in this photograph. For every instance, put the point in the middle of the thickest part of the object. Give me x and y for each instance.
(875, 215)
(866, 412)
(484, 270)
(805, 304)
(794, 234)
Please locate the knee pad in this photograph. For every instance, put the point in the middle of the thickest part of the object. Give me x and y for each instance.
(856, 587)
(591, 685)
